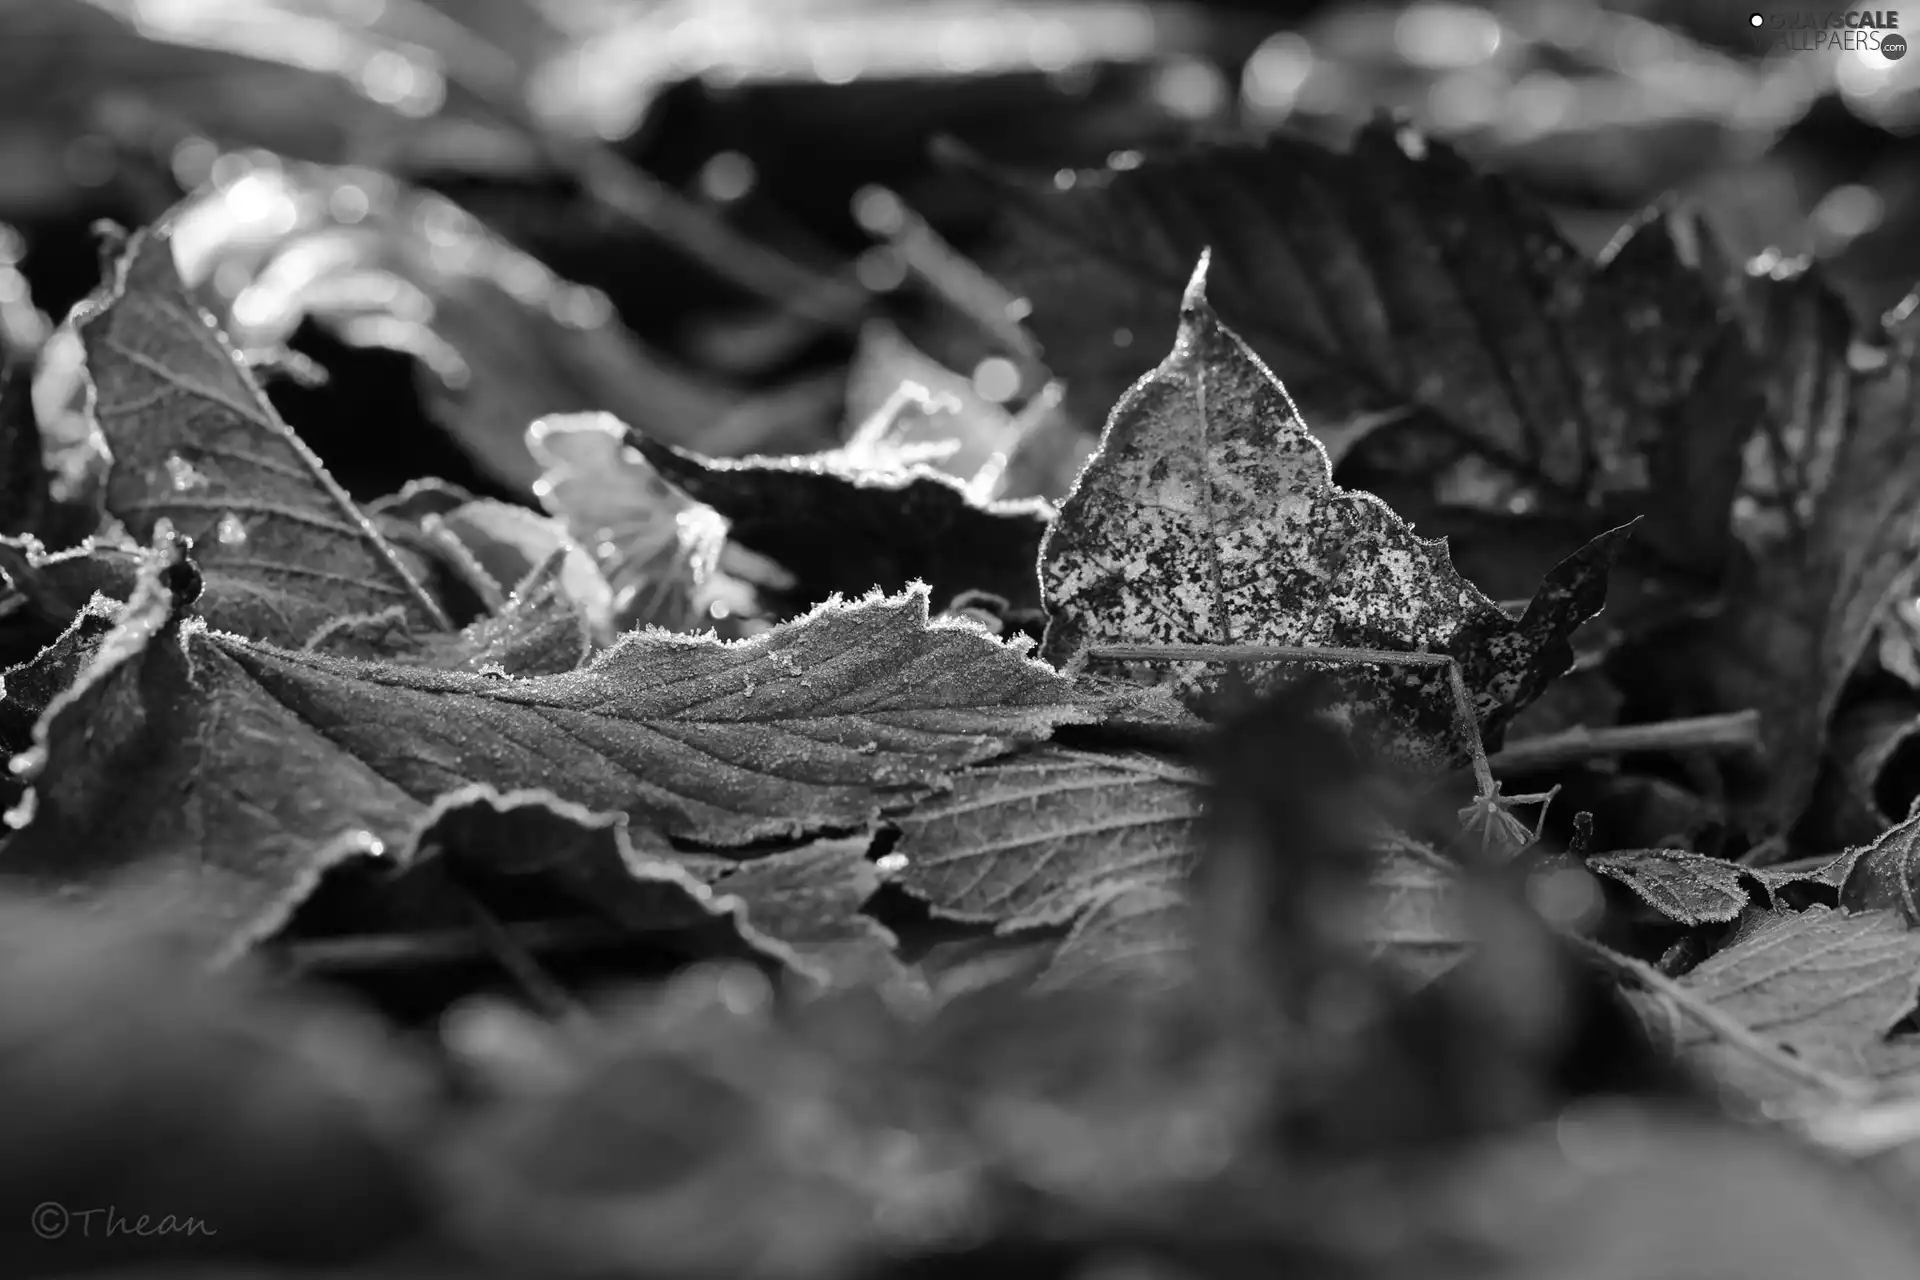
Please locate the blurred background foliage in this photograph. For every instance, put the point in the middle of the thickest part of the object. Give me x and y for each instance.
(685, 211)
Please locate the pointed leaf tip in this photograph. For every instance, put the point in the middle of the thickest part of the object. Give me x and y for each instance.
(1195, 298)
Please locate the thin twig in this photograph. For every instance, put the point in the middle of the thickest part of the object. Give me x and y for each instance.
(953, 278)
(1718, 734)
(1729, 1029)
(377, 951)
(834, 300)
(546, 995)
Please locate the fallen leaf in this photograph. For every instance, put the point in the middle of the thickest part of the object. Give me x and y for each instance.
(658, 549)
(448, 567)
(799, 908)
(1868, 782)
(26, 690)
(822, 723)
(58, 584)
(1686, 887)
(1824, 985)
(838, 529)
(1800, 330)
(1799, 615)
(1033, 838)
(944, 422)
(1886, 873)
(1209, 515)
(1704, 383)
(540, 630)
(1139, 935)
(1390, 283)
(499, 339)
(159, 785)
(196, 442)
(810, 898)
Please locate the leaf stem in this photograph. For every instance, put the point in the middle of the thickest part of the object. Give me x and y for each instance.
(1262, 653)
(1466, 721)
(1470, 730)
(1728, 1029)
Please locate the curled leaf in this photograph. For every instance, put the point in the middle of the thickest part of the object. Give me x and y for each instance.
(196, 442)
(836, 528)
(658, 550)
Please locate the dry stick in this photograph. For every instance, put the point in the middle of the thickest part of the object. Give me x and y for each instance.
(953, 278)
(834, 300)
(1727, 1028)
(372, 951)
(1734, 731)
(547, 995)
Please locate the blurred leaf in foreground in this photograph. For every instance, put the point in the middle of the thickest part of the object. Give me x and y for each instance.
(287, 1125)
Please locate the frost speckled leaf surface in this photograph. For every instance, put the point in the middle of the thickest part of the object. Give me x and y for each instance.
(802, 911)
(169, 786)
(1687, 887)
(657, 548)
(821, 722)
(195, 441)
(1033, 838)
(167, 763)
(1209, 515)
(1826, 984)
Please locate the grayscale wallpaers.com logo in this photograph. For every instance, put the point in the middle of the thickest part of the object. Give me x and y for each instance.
(1809, 31)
